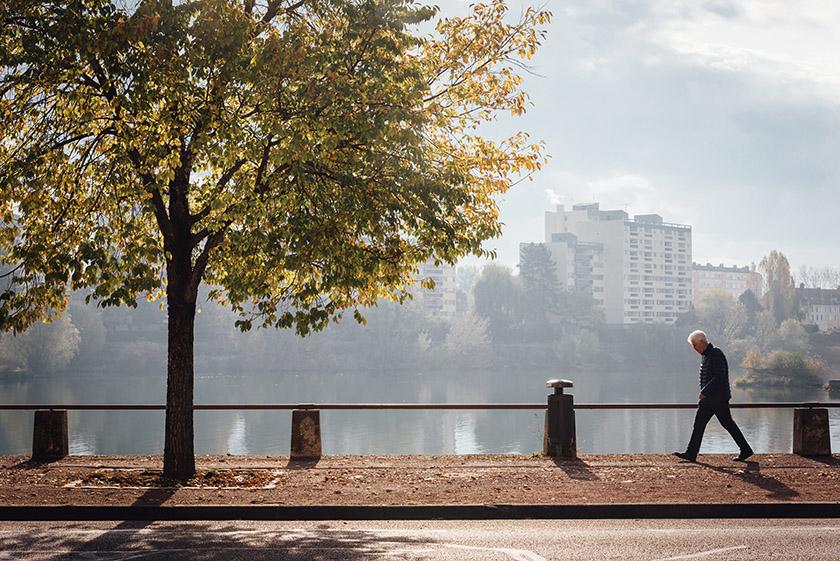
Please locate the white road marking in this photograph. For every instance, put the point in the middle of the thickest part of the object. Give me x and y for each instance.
(515, 554)
(704, 553)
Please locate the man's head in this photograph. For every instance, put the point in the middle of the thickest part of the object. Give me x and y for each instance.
(698, 340)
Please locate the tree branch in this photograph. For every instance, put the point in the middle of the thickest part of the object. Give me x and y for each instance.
(162, 217)
(274, 7)
(258, 182)
(213, 241)
(13, 271)
(220, 184)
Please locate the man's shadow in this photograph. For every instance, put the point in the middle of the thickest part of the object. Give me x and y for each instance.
(751, 474)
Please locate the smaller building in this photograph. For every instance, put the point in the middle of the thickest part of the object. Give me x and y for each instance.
(820, 307)
(732, 280)
(577, 264)
(442, 301)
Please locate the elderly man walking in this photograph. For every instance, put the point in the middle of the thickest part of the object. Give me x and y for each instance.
(714, 399)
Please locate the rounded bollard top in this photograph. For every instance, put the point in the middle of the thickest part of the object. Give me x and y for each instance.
(557, 383)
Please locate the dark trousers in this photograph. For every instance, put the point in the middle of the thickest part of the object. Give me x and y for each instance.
(705, 411)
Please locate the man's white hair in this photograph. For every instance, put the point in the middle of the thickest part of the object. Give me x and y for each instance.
(697, 335)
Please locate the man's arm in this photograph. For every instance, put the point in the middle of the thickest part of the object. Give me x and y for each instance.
(717, 371)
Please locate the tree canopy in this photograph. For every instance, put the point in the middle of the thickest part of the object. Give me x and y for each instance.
(540, 288)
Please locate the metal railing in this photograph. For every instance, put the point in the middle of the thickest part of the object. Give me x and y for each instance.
(409, 406)
(50, 432)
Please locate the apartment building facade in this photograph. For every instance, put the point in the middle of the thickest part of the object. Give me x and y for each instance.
(820, 307)
(638, 269)
(732, 280)
(442, 300)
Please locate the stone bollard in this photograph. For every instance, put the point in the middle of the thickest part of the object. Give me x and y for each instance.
(810, 432)
(559, 438)
(306, 434)
(49, 437)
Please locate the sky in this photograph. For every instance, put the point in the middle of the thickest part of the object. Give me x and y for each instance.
(722, 115)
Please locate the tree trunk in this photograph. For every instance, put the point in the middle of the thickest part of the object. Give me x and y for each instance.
(178, 454)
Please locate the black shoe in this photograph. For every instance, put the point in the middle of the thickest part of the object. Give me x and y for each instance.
(742, 457)
(685, 456)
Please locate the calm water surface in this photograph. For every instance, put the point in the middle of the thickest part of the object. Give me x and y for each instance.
(395, 432)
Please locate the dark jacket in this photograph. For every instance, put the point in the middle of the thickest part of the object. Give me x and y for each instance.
(714, 375)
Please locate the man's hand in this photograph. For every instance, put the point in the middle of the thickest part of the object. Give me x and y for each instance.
(702, 397)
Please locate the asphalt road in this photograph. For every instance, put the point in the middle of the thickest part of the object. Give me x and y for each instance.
(631, 540)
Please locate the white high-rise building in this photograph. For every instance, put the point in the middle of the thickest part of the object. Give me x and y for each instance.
(638, 269)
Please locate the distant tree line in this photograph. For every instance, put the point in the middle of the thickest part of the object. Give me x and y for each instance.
(524, 320)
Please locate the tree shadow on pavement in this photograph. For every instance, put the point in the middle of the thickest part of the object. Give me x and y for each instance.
(152, 540)
(215, 541)
(751, 474)
(576, 468)
(76, 547)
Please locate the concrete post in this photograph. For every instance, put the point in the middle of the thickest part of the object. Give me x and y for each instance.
(306, 434)
(559, 438)
(810, 432)
(49, 437)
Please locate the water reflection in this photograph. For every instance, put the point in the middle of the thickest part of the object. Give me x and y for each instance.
(395, 432)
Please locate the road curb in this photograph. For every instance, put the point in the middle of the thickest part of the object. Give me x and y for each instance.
(421, 512)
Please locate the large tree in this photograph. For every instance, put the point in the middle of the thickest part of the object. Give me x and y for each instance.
(301, 157)
(780, 293)
(498, 300)
(540, 288)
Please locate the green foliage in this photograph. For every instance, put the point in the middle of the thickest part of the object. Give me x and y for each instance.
(540, 288)
(497, 299)
(751, 305)
(791, 336)
(785, 362)
(577, 308)
(721, 317)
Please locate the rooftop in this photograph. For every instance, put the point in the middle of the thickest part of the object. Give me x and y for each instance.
(720, 268)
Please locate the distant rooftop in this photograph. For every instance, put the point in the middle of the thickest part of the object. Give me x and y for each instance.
(720, 268)
(819, 296)
(652, 218)
(594, 210)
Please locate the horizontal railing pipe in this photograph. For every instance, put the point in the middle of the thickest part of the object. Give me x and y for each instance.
(409, 406)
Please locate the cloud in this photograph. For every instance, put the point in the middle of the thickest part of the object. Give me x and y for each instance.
(624, 182)
(553, 198)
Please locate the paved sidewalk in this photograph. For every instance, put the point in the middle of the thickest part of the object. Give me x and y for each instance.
(422, 480)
